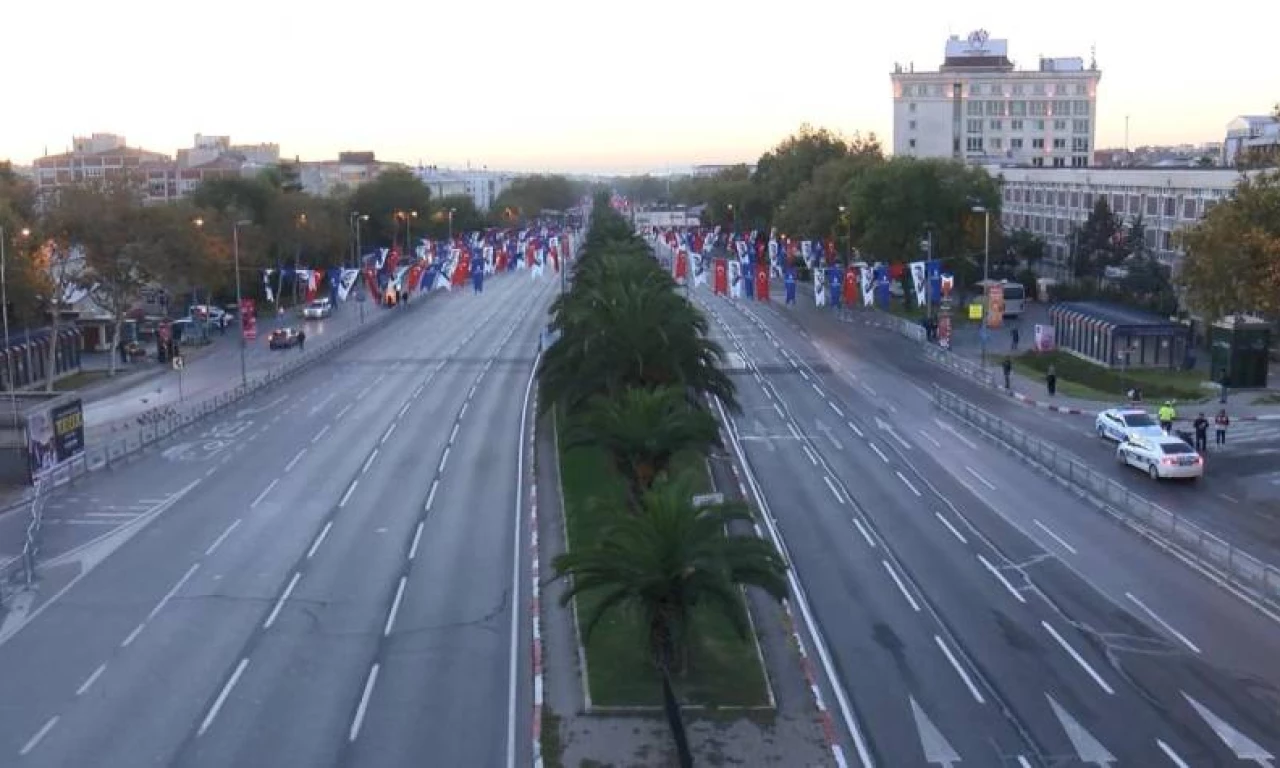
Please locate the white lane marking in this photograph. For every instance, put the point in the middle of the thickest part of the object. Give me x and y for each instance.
(1169, 753)
(834, 492)
(387, 434)
(378, 380)
(133, 635)
(369, 461)
(1055, 536)
(209, 472)
(294, 461)
(363, 706)
(964, 676)
(870, 391)
(1156, 618)
(444, 460)
(320, 537)
(906, 482)
(950, 527)
(778, 408)
(275, 612)
(34, 741)
(417, 391)
(792, 428)
(1023, 762)
(173, 591)
(431, 495)
(1226, 497)
(404, 409)
(901, 587)
(463, 412)
(816, 388)
(364, 392)
(264, 493)
(93, 678)
(855, 429)
(979, 477)
(865, 534)
(417, 536)
(1000, 577)
(222, 536)
(930, 438)
(517, 574)
(947, 427)
(344, 410)
(395, 607)
(320, 434)
(879, 452)
(454, 434)
(836, 408)
(222, 697)
(347, 495)
(812, 459)
(802, 373)
(1078, 658)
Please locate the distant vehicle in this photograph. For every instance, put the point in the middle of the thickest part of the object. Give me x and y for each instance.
(1015, 296)
(283, 338)
(1120, 424)
(1162, 457)
(318, 309)
(214, 316)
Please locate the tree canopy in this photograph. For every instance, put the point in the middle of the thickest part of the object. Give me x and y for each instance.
(528, 196)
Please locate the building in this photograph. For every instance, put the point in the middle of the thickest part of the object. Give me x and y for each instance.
(978, 107)
(99, 156)
(1053, 202)
(207, 149)
(350, 170)
(482, 186)
(707, 171)
(1205, 155)
(1252, 135)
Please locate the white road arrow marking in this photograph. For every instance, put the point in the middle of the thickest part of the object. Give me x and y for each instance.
(884, 426)
(937, 750)
(1089, 749)
(1243, 747)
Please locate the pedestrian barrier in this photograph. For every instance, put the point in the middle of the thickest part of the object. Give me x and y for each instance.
(1241, 570)
(21, 570)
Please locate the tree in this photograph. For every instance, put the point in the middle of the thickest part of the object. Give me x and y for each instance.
(1233, 254)
(531, 195)
(395, 190)
(1099, 243)
(642, 431)
(1019, 247)
(18, 212)
(783, 169)
(661, 563)
(465, 217)
(812, 210)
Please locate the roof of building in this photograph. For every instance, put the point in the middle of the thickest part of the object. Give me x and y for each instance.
(1117, 316)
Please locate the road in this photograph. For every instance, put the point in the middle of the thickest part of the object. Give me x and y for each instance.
(1236, 499)
(326, 577)
(971, 612)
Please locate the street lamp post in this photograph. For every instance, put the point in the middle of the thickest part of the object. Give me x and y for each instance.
(451, 210)
(986, 269)
(235, 251)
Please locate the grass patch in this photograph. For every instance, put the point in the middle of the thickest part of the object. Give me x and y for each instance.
(1080, 378)
(724, 669)
(80, 380)
(551, 746)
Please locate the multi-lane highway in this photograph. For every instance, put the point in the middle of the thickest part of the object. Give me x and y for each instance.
(328, 575)
(968, 611)
(1235, 499)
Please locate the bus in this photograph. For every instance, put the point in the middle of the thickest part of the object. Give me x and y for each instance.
(1015, 295)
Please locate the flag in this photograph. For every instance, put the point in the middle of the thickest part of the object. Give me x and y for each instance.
(266, 286)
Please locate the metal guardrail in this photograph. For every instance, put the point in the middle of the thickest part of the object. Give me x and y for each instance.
(1238, 568)
(22, 569)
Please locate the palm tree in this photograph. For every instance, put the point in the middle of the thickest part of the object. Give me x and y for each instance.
(659, 564)
(642, 430)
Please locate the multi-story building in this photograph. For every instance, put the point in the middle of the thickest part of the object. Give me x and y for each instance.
(100, 156)
(1256, 135)
(483, 186)
(978, 107)
(206, 149)
(350, 170)
(1054, 203)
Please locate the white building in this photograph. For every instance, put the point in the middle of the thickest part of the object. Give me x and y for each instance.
(1053, 203)
(1250, 133)
(978, 107)
(483, 186)
(206, 149)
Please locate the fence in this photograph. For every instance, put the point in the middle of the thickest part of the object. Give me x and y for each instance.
(1238, 568)
(22, 568)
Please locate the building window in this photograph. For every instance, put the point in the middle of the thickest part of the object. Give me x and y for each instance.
(1080, 108)
(1075, 199)
(1062, 226)
(1059, 143)
(975, 126)
(1170, 207)
(974, 144)
(1017, 89)
(1079, 144)
(1037, 143)
(1062, 199)
(911, 125)
(911, 143)
(1059, 125)
(1166, 240)
(1037, 125)
(1038, 108)
(906, 90)
(1189, 208)
(1081, 90)
(1080, 161)
(1059, 162)
(974, 109)
(1135, 204)
(996, 125)
(1018, 108)
(1037, 89)
(911, 107)
(1153, 206)
(1015, 143)
(1015, 125)
(997, 143)
(995, 108)
(1079, 126)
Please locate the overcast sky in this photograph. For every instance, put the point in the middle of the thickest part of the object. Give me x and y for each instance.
(582, 85)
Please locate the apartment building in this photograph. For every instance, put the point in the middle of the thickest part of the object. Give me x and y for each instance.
(481, 185)
(978, 107)
(98, 156)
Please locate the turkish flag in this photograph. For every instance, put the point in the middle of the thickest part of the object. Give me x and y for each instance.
(501, 265)
(895, 271)
(681, 265)
(762, 282)
(849, 295)
(721, 279)
(371, 279)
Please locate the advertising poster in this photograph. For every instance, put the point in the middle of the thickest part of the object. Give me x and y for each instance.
(248, 319)
(54, 435)
(995, 303)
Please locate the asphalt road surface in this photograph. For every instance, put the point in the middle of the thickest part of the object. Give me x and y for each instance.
(327, 575)
(971, 612)
(1236, 500)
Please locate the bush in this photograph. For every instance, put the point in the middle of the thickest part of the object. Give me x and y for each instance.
(1155, 383)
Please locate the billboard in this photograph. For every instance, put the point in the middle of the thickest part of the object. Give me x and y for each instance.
(995, 305)
(55, 435)
(248, 320)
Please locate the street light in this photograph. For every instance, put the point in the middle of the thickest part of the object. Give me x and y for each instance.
(451, 212)
(986, 239)
(408, 217)
(235, 251)
(848, 220)
(4, 309)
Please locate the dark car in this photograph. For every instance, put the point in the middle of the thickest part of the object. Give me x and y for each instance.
(283, 338)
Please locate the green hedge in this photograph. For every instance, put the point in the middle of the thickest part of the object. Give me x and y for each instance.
(1111, 383)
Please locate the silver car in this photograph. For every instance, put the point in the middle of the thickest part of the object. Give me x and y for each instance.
(1120, 424)
(318, 309)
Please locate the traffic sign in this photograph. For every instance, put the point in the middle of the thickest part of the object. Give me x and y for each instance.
(177, 363)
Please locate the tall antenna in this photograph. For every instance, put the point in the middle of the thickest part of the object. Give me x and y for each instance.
(1093, 56)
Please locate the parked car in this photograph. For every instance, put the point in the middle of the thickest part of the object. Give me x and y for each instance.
(1162, 457)
(283, 338)
(1120, 424)
(318, 309)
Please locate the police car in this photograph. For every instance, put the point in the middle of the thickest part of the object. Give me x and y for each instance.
(1120, 424)
(1162, 457)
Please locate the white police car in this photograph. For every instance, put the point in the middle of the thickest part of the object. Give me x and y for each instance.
(1120, 424)
(1162, 457)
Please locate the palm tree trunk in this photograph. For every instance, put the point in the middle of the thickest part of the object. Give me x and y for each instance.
(674, 719)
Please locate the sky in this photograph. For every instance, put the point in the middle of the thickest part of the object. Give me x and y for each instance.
(581, 85)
